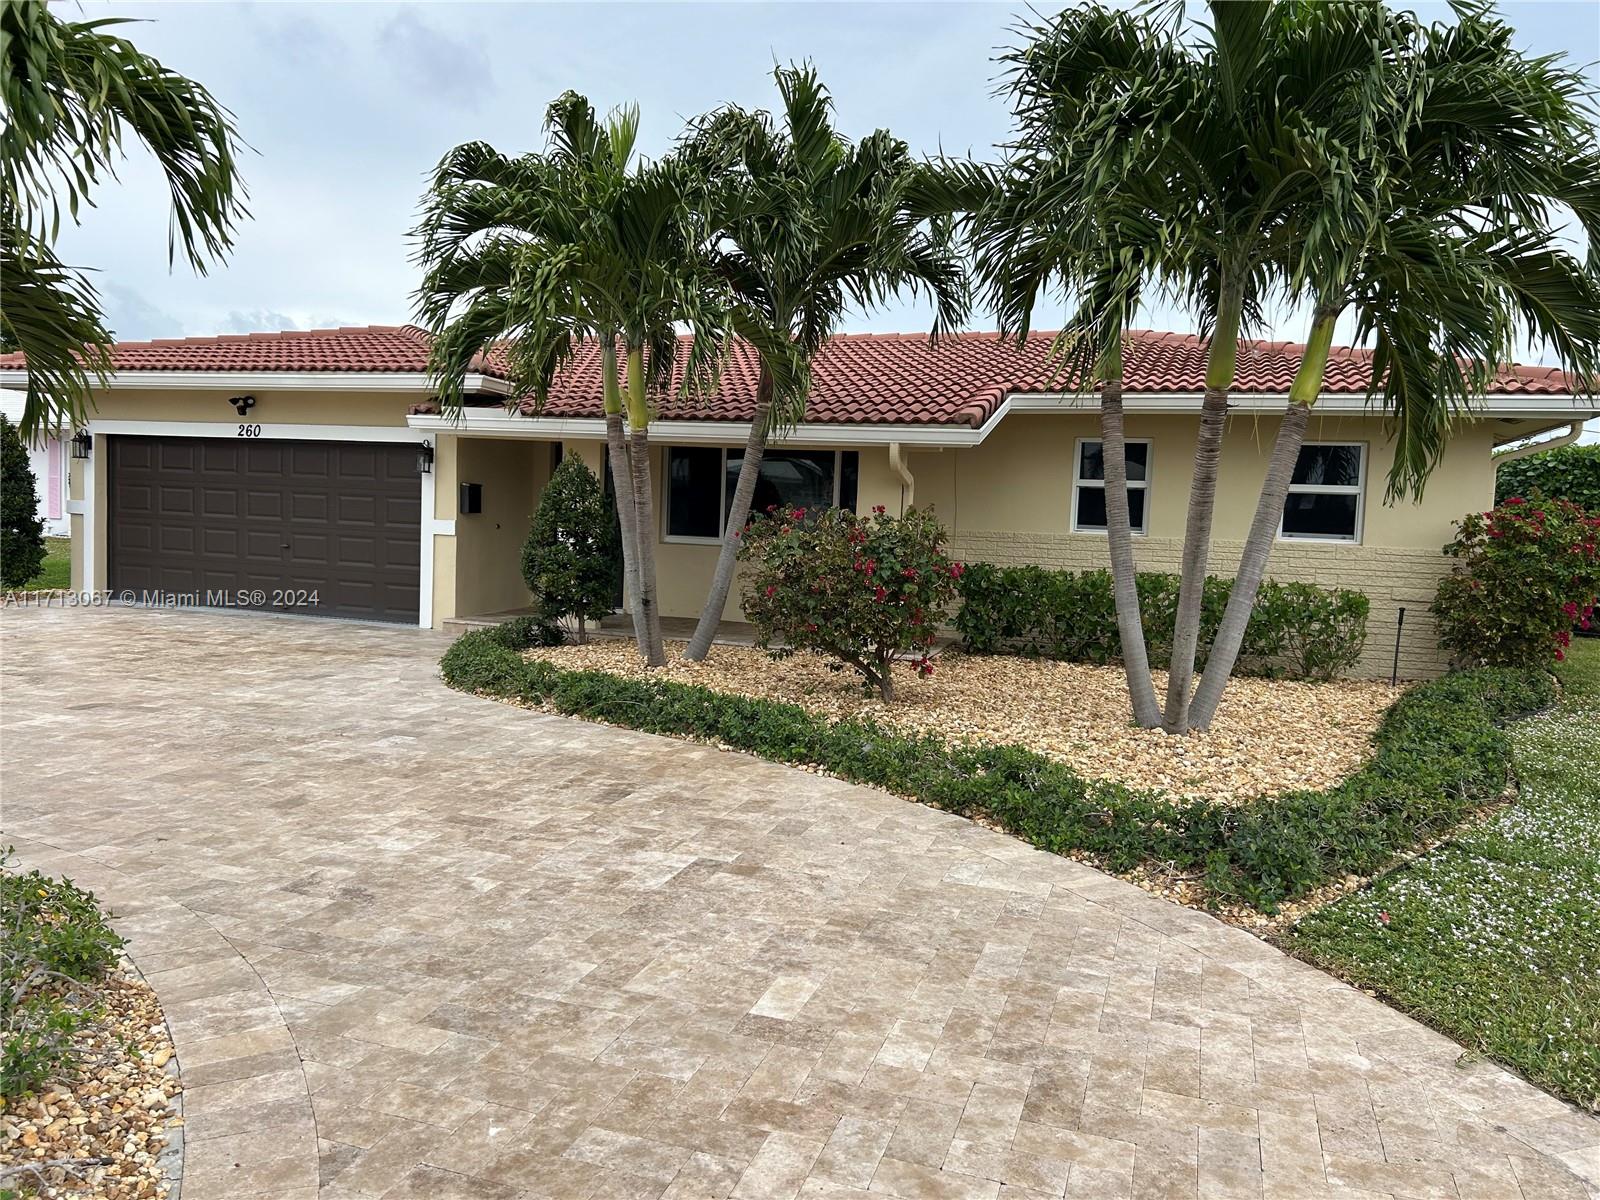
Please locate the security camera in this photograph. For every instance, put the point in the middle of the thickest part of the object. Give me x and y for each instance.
(242, 404)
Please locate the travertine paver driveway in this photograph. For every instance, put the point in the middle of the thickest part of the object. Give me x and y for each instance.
(523, 956)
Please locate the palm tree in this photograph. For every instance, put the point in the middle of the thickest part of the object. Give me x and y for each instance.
(1031, 223)
(545, 250)
(1442, 235)
(73, 95)
(803, 225)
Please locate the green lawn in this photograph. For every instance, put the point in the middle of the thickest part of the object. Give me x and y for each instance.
(57, 569)
(1494, 938)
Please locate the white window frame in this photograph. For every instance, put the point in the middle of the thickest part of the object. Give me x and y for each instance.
(1141, 484)
(722, 494)
(1359, 491)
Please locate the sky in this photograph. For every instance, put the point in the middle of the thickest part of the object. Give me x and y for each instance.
(347, 106)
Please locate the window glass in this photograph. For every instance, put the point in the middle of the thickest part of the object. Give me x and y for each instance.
(849, 479)
(1328, 466)
(1320, 514)
(1091, 461)
(788, 479)
(1092, 508)
(694, 491)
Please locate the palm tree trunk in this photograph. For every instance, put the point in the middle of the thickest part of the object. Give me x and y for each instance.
(1119, 537)
(650, 645)
(1264, 527)
(622, 485)
(1202, 502)
(755, 449)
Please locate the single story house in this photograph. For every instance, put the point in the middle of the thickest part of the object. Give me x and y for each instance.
(47, 458)
(269, 466)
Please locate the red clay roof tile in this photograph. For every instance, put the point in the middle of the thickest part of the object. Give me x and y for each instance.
(858, 379)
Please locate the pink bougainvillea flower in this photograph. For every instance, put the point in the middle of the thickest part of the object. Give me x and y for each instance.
(1383, 918)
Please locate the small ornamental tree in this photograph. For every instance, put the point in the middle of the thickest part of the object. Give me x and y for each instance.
(571, 557)
(21, 530)
(1528, 571)
(863, 590)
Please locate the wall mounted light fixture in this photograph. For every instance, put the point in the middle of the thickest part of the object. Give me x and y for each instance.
(82, 443)
(242, 404)
(425, 458)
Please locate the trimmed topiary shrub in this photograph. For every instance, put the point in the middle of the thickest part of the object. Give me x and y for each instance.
(1527, 572)
(1567, 473)
(862, 590)
(21, 530)
(1296, 628)
(571, 560)
(1439, 753)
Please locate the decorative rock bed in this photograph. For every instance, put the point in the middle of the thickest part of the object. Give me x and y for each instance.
(113, 1132)
(1270, 736)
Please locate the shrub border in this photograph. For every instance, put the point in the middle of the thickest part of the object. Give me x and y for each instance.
(1440, 753)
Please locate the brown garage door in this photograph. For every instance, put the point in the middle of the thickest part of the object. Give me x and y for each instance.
(257, 524)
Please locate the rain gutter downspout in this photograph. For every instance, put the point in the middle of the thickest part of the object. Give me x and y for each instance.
(1573, 433)
(908, 483)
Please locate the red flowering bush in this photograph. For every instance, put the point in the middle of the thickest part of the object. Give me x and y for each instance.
(863, 590)
(1528, 573)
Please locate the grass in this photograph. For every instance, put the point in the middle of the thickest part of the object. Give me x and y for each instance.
(1494, 937)
(56, 571)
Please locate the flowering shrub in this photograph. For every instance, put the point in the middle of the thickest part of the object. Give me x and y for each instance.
(1528, 572)
(863, 590)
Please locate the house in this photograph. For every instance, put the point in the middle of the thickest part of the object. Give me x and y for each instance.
(47, 457)
(268, 469)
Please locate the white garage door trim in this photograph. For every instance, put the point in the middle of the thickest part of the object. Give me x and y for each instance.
(263, 431)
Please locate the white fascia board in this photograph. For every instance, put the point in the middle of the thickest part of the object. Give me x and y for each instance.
(706, 433)
(1556, 407)
(267, 381)
(500, 423)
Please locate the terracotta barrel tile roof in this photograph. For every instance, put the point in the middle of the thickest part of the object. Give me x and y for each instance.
(858, 379)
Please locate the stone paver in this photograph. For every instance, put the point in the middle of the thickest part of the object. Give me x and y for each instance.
(520, 956)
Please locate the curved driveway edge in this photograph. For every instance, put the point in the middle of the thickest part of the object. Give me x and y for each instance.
(248, 1127)
(521, 956)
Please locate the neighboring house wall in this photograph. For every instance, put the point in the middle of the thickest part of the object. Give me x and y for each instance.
(47, 459)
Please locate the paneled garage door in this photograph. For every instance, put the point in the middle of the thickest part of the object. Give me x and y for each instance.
(263, 524)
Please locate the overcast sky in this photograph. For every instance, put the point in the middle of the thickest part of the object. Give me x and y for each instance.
(347, 106)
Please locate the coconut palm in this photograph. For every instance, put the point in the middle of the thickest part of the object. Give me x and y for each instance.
(74, 95)
(802, 226)
(1443, 236)
(542, 251)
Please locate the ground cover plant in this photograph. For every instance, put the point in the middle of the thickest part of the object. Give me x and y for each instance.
(1271, 737)
(57, 947)
(1440, 753)
(1494, 937)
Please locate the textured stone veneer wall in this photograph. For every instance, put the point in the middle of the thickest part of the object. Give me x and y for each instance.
(1391, 578)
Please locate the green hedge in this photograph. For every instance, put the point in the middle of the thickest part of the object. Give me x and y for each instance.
(1567, 472)
(1440, 752)
(1296, 628)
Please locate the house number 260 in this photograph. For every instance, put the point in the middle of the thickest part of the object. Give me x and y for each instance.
(249, 431)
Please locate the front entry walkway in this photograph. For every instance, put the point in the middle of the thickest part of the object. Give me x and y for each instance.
(520, 956)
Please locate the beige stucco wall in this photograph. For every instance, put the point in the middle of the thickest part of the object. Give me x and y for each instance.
(488, 545)
(1009, 501)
